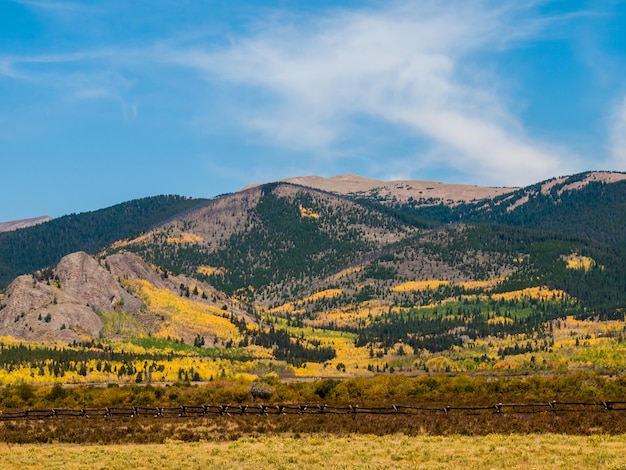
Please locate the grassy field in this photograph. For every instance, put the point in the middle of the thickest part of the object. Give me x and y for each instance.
(535, 451)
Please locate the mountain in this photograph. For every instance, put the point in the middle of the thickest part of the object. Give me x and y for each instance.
(265, 242)
(23, 223)
(287, 265)
(425, 193)
(26, 250)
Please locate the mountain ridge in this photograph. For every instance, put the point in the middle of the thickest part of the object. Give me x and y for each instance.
(304, 281)
(23, 223)
(285, 242)
(402, 190)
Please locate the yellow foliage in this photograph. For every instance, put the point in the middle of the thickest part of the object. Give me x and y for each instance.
(210, 270)
(538, 293)
(486, 285)
(305, 212)
(500, 321)
(441, 364)
(180, 239)
(325, 294)
(419, 285)
(508, 363)
(580, 263)
(350, 315)
(134, 241)
(9, 340)
(346, 272)
(569, 327)
(186, 318)
(290, 307)
(259, 352)
(354, 359)
(120, 324)
(184, 238)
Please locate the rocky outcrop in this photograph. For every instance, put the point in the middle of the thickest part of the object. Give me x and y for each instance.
(43, 311)
(129, 265)
(64, 303)
(83, 278)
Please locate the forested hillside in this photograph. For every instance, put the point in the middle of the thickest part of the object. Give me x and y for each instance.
(287, 239)
(288, 278)
(32, 248)
(594, 211)
(549, 221)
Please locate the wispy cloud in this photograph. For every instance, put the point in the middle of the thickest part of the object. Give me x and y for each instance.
(337, 85)
(411, 66)
(77, 76)
(7, 70)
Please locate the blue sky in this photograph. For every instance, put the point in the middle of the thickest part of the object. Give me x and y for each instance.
(103, 102)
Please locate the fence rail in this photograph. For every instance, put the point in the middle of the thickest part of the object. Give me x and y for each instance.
(198, 411)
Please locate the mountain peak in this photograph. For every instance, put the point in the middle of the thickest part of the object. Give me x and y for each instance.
(23, 223)
(428, 192)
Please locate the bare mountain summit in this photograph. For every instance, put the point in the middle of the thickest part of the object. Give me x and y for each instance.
(23, 223)
(422, 192)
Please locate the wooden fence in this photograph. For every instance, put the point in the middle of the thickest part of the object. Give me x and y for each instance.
(198, 411)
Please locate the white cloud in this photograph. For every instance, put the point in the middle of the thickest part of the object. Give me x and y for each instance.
(407, 66)
(77, 76)
(7, 70)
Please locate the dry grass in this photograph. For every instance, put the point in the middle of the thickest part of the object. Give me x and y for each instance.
(545, 451)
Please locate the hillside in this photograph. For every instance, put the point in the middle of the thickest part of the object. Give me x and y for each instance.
(36, 247)
(527, 278)
(84, 298)
(585, 204)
